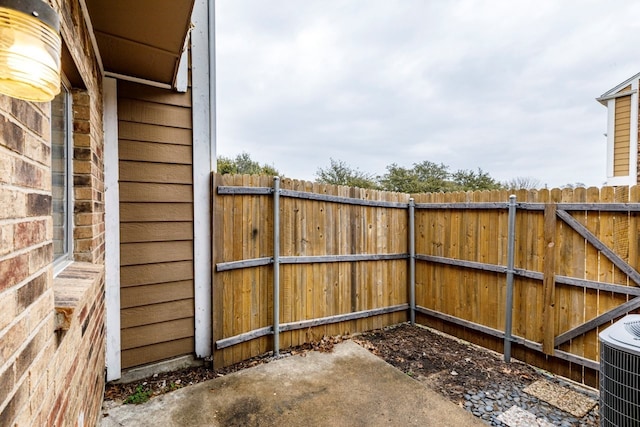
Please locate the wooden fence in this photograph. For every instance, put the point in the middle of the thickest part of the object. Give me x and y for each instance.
(345, 258)
(337, 259)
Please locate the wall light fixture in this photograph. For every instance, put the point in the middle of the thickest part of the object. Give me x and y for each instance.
(29, 50)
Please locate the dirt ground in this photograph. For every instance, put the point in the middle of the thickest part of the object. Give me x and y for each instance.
(446, 365)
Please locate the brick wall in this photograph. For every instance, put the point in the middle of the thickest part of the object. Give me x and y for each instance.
(52, 330)
(88, 179)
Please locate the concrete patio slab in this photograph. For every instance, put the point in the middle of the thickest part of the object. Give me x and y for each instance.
(347, 387)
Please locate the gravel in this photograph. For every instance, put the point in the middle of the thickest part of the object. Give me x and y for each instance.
(497, 398)
(474, 378)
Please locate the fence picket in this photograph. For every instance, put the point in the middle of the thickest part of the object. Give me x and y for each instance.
(460, 267)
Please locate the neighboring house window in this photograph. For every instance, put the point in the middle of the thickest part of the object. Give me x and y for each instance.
(62, 178)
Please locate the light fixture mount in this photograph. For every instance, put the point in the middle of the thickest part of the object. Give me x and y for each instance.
(36, 8)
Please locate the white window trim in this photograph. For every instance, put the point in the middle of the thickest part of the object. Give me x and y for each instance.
(611, 120)
(64, 261)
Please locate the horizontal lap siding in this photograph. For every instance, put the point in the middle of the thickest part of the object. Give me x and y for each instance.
(156, 224)
(622, 136)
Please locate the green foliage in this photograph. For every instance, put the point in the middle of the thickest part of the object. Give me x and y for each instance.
(423, 177)
(139, 396)
(468, 180)
(339, 173)
(243, 164)
(430, 177)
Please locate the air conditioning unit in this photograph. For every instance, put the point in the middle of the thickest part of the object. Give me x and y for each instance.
(620, 373)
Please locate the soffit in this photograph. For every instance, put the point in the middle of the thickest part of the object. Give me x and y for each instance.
(141, 38)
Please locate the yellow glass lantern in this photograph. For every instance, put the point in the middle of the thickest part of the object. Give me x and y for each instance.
(29, 50)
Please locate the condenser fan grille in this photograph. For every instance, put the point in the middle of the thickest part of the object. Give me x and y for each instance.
(633, 328)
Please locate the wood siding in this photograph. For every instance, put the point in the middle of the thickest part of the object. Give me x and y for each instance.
(622, 136)
(156, 224)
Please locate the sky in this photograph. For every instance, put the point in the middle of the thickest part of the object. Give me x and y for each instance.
(506, 86)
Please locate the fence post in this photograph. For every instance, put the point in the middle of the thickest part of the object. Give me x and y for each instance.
(412, 260)
(549, 279)
(276, 266)
(511, 237)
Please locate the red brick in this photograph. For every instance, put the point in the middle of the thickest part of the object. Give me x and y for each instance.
(16, 403)
(6, 166)
(82, 167)
(12, 204)
(85, 232)
(30, 292)
(29, 233)
(55, 410)
(7, 382)
(81, 180)
(81, 112)
(83, 193)
(82, 153)
(6, 239)
(40, 257)
(13, 271)
(12, 340)
(83, 245)
(28, 115)
(81, 126)
(12, 135)
(81, 97)
(82, 206)
(36, 149)
(81, 140)
(8, 308)
(30, 175)
(38, 204)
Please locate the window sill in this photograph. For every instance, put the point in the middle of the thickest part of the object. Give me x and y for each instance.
(70, 290)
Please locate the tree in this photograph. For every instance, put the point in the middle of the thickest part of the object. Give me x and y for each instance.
(522, 183)
(243, 164)
(425, 177)
(468, 180)
(573, 186)
(430, 177)
(339, 173)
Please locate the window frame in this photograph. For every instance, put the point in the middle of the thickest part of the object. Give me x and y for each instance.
(66, 258)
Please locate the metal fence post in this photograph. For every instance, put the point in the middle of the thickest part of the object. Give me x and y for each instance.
(511, 238)
(276, 266)
(412, 260)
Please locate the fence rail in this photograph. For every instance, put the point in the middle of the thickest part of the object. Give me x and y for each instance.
(349, 260)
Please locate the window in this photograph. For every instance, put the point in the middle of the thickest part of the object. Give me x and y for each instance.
(62, 178)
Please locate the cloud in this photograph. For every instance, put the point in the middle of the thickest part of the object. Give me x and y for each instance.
(505, 86)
